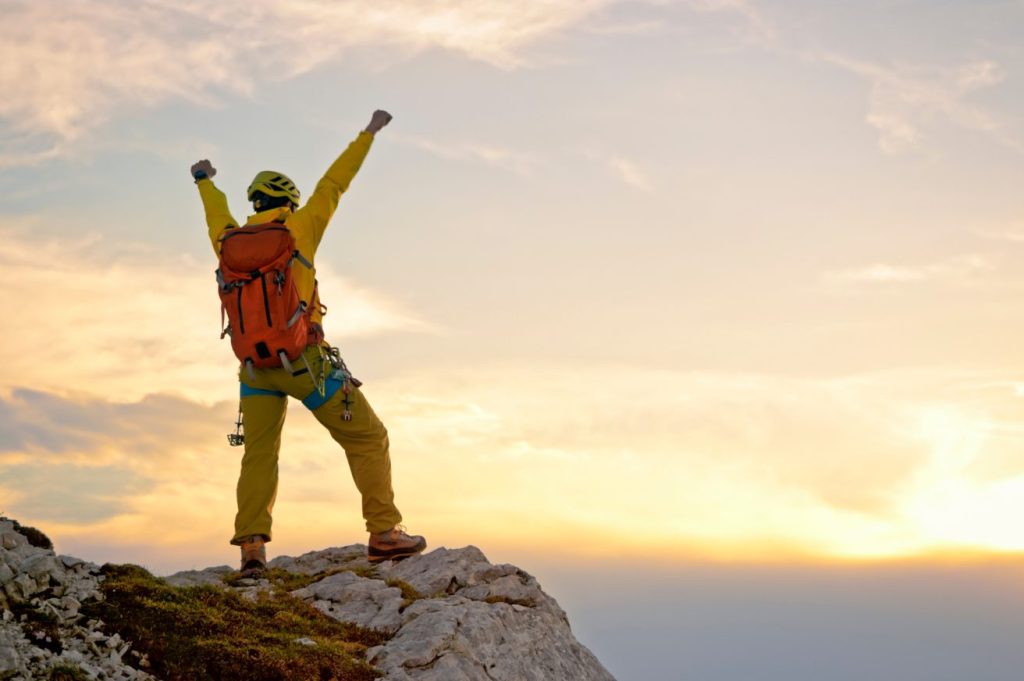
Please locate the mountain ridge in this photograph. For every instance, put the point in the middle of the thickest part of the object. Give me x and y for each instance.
(446, 615)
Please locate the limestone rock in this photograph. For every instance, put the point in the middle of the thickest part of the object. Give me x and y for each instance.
(50, 588)
(457, 639)
(314, 562)
(450, 614)
(467, 572)
(213, 575)
(346, 597)
(469, 620)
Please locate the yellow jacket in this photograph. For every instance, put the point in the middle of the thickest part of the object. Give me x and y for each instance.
(307, 224)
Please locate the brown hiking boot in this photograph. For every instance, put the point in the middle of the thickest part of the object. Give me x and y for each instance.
(254, 555)
(394, 544)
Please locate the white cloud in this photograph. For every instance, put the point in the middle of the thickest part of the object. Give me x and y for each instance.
(519, 162)
(1012, 232)
(756, 28)
(954, 269)
(127, 321)
(626, 170)
(76, 65)
(630, 173)
(906, 102)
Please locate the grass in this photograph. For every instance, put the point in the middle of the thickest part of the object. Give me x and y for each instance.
(66, 672)
(35, 537)
(528, 602)
(207, 632)
(409, 593)
(290, 581)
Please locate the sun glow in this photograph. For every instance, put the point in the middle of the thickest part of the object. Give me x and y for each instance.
(951, 507)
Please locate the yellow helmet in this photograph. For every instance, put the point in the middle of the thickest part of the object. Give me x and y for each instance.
(274, 184)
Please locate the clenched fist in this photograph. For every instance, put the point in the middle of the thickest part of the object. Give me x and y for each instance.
(203, 169)
(379, 120)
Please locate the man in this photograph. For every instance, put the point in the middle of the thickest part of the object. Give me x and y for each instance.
(317, 376)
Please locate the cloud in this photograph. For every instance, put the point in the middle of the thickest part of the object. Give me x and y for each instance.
(630, 173)
(1012, 232)
(77, 65)
(906, 102)
(626, 170)
(956, 269)
(756, 28)
(123, 320)
(617, 456)
(57, 429)
(824, 464)
(70, 494)
(83, 460)
(521, 163)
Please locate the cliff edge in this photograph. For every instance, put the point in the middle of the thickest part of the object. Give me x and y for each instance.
(447, 615)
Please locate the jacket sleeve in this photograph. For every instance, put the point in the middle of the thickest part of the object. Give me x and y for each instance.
(313, 217)
(218, 217)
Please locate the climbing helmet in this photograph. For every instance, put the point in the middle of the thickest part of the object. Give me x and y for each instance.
(273, 183)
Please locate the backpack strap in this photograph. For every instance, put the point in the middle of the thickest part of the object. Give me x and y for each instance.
(298, 256)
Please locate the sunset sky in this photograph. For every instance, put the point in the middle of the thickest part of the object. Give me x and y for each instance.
(704, 282)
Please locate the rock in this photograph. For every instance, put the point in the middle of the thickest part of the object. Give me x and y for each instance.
(70, 605)
(11, 540)
(457, 639)
(49, 591)
(43, 568)
(10, 658)
(70, 561)
(346, 597)
(468, 573)
(320, 561)
(213, 575)
(451, 615)
(472, 620)
(21, 588)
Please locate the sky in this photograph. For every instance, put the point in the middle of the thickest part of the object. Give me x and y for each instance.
(729, 287)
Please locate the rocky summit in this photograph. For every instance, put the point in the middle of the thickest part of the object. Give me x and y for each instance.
(447, 615)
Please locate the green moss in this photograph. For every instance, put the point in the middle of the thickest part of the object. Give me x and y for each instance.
(409, 593)
(205, 631)
(35, 537)
(290, 581)
(528, 602)
(66, 672)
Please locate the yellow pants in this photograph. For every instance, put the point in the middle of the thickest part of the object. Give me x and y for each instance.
(364, 439)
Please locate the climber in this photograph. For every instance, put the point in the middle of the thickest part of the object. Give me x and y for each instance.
(269, 295)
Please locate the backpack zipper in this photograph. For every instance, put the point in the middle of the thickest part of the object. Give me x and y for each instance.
(266, 300)
(241, 320)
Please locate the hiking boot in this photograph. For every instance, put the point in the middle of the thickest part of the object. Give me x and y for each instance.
(254, 555)
(394, 544)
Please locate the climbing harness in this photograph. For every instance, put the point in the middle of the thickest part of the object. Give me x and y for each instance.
(330, 376)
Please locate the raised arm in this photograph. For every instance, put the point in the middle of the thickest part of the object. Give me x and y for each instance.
(215, 204)
(322, 203)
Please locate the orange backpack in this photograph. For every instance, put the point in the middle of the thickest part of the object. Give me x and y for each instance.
(267, 321)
